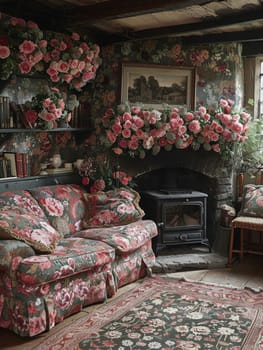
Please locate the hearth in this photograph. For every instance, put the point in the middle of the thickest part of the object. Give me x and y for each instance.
(180, 214)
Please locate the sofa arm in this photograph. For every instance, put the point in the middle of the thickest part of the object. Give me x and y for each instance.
(9, 249)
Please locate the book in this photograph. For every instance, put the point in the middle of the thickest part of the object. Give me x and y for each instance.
(11, 157)
(19, 165)
(26, 164)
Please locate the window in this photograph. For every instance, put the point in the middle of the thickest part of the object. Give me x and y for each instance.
(260, 103)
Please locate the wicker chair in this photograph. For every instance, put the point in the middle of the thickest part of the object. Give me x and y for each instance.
(249, 219)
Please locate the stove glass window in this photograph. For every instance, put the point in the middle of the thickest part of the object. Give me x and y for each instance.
(178, 215)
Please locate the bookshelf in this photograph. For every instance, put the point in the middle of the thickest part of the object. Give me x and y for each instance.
(12, 123)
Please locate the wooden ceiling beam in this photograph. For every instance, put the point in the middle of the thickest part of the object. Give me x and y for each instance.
(212, 23)
(116, 9)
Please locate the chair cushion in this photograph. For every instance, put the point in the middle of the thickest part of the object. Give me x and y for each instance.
(247, 222)
(252, 202)
(30, 229)
(115, 207)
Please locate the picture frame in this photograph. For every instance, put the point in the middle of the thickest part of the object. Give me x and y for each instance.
(154, 86)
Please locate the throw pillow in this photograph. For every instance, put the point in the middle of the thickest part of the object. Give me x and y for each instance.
(63, 205)
(252, 202)
(113, 208)
(30, 229)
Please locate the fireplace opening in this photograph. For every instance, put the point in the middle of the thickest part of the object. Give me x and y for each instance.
(180, 216)
(216, 185)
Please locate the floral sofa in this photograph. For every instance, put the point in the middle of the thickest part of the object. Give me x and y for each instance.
(62, 249)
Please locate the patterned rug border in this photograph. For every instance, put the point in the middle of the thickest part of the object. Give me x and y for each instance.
(214, 284)
(147, 288)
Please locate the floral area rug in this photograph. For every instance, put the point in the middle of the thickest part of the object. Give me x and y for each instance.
(164, 313)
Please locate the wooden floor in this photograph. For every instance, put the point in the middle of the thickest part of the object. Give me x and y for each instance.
(247, 274)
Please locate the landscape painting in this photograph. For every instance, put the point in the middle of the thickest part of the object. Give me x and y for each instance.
(155, 86)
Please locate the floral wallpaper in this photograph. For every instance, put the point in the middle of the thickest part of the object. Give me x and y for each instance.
(218, 68)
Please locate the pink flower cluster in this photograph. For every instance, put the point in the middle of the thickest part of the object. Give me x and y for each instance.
(31, 49)
(46, 108)
(139, 131)
(100, 178)
(62, 58)
(71, 61)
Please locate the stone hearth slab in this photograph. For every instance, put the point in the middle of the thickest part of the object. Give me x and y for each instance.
(187, 258)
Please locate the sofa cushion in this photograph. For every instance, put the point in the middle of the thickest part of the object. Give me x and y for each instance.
(30, 229)
(71, 256)
(21, 202)
(125, 238)
(64, 205)
(252, 203)
(112, 208)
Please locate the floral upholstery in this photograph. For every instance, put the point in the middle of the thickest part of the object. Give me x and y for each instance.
(70, 256)
(64, 206)
(115, 207)
(21, 202)
(31, 310)
(129, 267)
(11, 249)
(125, 238)
(29, 228)
(252, 203)
(38, 290)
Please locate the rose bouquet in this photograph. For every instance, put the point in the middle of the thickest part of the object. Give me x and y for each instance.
(101, 176)
(45, 110)
(135, 131)
(22, 49)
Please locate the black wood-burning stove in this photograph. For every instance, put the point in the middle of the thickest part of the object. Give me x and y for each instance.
(179, 214)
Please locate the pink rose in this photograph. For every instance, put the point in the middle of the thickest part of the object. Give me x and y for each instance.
(216, 148)
(27, 47)
(189, 116)
(126, 133)
(75, 36)
(62, 66)
(17, 21)
(62, 46)
(116, 128)
(25, 67)
(237, 127)
(202, 110)
(55, 54)
(117, 150)
(4, 52)
(88, 76)
(68, 78)
(223, 103)
(123, 143)
(54, 43)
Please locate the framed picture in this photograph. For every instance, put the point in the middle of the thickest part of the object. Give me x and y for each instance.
(156, 85)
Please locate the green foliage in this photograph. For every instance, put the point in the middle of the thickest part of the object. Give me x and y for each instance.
(251, 151)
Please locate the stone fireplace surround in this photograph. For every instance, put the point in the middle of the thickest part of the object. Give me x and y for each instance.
(188, 169)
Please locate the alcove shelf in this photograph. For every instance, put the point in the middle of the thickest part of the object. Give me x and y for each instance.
(13, 183)
(33, 130)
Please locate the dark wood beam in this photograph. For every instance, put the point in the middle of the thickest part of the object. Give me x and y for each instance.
(209, 24)
(116, 9)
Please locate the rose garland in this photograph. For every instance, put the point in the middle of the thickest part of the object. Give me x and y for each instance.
(135, 131)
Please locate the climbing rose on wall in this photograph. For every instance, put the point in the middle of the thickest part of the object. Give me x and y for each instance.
(71, 60)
